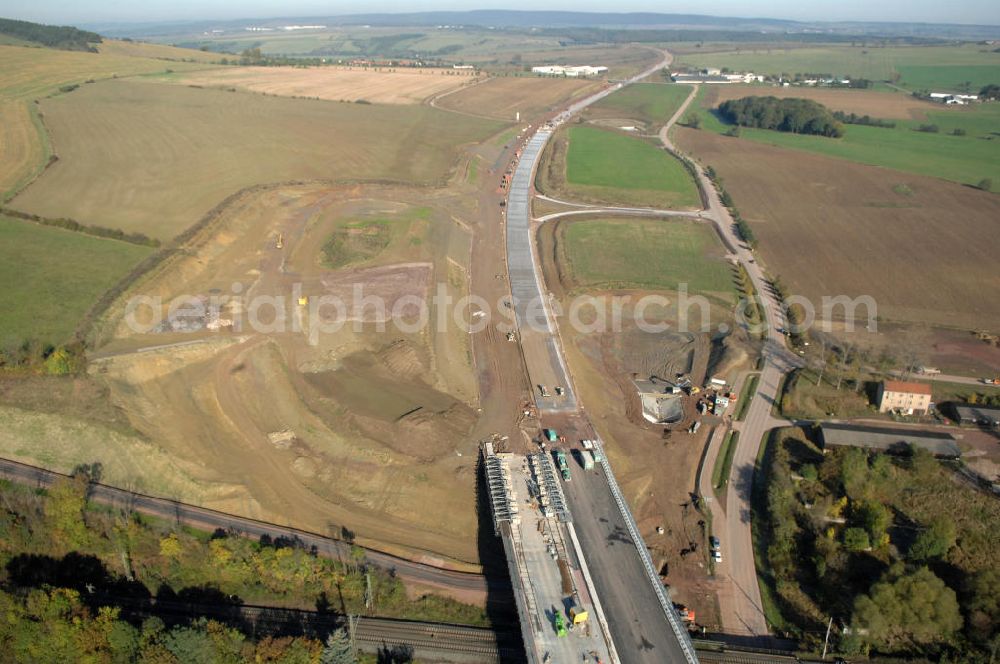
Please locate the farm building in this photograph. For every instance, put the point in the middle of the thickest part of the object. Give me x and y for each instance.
(897, 396)
(888, 439)
(570, 72)
(971, 414)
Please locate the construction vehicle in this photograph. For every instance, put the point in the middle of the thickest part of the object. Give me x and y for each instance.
(559, 391)
(551, 435)
(578, 614)
(543, 391)
(511, 337)
(560, 625)
(281, 241)
(563, 465)
(991, 381)
(303, 301)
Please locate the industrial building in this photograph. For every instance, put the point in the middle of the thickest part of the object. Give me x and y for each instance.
(581, 71)
(887, 439)
(972, 414)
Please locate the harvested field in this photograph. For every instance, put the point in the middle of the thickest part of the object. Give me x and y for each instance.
(922, 247)
(128, 149)
(888, 105)
(399, 86)
(137, 49)
(23, 147)
(502, 97)
(52, 276)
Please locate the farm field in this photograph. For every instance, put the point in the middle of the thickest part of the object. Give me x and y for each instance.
(401, 86)
(877, 104)
(502, 97)
(913, 243)
(23, 144)
(648, 254)
(651, 104)
(601, 165)
(52, 276)
(138, 49)
(943, 68)
(208, 144)
(964, 159)
(28, 73)
(31, 73)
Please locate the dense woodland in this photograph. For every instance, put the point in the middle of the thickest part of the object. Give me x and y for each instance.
(54, 36)
(83, 582)
(894, 548)
(798, 116)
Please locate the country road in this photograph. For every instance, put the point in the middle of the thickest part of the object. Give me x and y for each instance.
(739, 596)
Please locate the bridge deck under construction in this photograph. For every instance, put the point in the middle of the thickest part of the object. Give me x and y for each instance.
(530, 516)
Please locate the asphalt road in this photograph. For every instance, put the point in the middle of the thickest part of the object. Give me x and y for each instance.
(635, 617)
(740, 602)
(206, 519)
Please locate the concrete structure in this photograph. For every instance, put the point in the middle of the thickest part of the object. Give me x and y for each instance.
(548, 572)
(661, 400)
(581, 71)
(981, 415)
(906, 397)
(889, 439)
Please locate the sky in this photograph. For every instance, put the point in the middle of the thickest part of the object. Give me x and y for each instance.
(983, 12)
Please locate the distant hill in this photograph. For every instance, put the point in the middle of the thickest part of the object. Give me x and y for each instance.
(65, 38)
(516, 19)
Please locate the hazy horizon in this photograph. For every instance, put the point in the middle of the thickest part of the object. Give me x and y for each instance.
(978, 12)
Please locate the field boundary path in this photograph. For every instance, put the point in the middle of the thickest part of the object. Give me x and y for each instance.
(742, 609)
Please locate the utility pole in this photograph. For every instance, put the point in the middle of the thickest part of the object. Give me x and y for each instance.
(352, 622)
(826, 641)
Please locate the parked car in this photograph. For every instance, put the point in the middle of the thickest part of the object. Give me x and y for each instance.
(713, 542)
(717, 556)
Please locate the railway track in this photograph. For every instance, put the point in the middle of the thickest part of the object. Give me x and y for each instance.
(479, 645)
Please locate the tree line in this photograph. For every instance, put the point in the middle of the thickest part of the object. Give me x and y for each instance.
(866, 120)
(65, 38)
(794, 115)
(82, 582)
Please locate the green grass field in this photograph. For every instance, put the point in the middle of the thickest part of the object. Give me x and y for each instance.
(724, 462)
(644, 253)
(607, 159)
(651, 103)
(938, 67)
(52, 276)
(965, 159)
